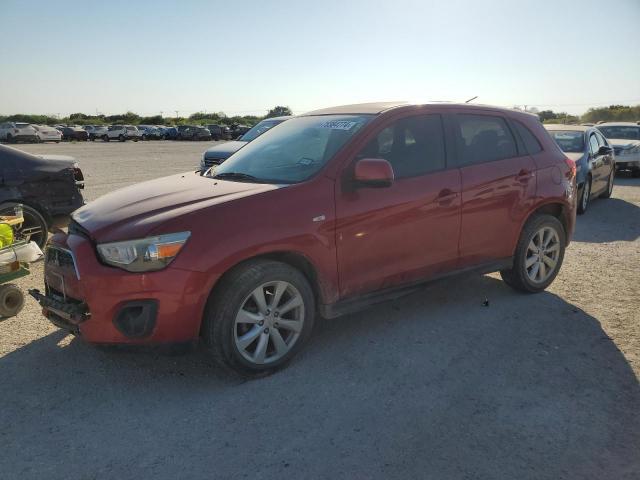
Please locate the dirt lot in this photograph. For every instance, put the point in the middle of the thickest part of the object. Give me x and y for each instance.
(434, 385)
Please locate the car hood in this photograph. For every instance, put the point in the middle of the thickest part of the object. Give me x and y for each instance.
(135, 211)
(623, 142)
(224, 150)
(12, 158)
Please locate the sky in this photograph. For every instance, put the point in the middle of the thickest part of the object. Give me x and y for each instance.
(153, 56)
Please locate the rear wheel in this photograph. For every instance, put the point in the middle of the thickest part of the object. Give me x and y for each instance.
(9, 138)
(539, 255)
(105, 138)
(583, 201)
(11, 300)
(607, 193)
(34, 228)
(121, 138)
(259, 317)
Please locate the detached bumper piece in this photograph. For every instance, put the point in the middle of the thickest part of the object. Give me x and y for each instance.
(63, 314)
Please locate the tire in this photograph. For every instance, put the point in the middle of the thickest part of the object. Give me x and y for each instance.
(635, 173)
(121, 138)
(607, 193)
(518, 277)
(35, 227)
(10, 138)
(585, 195)
(11, 300)
(223, 334)
(105, 138)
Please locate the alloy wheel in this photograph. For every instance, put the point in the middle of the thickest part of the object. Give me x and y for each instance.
(269, 322)
(542, 255)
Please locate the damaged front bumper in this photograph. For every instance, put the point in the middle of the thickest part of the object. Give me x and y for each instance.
(64, 314)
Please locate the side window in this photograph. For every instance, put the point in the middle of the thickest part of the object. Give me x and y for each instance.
(484, 138)
(413, 146)
(601, 139)
(531, 143)
(593, 144)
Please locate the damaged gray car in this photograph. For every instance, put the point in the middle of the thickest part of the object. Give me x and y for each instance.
(48, 186)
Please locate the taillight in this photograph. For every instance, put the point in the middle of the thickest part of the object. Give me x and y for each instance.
(571, 174)
(77, 174)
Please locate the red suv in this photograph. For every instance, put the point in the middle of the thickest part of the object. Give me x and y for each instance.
(326, 213)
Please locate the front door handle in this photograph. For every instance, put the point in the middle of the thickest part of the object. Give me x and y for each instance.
(446, 196)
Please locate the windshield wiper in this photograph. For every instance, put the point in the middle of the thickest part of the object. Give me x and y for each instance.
(237, 176)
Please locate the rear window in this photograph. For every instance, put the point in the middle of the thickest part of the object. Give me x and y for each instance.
(569, 141)
(21, 125)
(131, 129)
(531, 143)
(484, 138)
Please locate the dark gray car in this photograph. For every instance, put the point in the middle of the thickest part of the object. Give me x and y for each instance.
(594, 157)
(219, 153)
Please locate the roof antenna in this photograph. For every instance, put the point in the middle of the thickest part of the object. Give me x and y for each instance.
(471, 99)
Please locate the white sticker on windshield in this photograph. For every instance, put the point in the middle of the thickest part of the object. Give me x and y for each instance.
(339, 125)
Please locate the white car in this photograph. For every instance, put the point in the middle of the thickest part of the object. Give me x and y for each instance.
(47, 134)
(122, 133)
(17, 132)
(625, 139)
(95, 131)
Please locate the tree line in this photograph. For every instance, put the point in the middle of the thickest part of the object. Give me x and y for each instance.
(131, 118)
(612, 113)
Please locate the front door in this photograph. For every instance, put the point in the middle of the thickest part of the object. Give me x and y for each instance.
(406, 232)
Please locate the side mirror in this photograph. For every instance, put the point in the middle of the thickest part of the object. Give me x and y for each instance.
(374, 172)
(604, 150)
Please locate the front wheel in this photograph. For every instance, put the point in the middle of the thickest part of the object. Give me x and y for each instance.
(105, 138)
(121, 138)
(539, 255)
(607, 193)
(259, 317)
(34, 228)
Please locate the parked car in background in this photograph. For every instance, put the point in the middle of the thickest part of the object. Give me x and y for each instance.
(195, 133)
(95, 131)
(122, 133)
(625, 138)
(170, 133)
(47, 134)
(74, 133)
(47, 185)
(329, 212)
(216, 132)
(238, 131)
(594, 157)
(12, 132)
(150, 132)
(219, 153)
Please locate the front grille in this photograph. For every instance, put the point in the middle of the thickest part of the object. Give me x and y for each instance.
(210, 162)
(60, 258)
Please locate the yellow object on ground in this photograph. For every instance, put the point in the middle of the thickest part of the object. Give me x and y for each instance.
(6, 235)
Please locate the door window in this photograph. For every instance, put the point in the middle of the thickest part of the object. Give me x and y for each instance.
(593, 145)
(484, 138)
(531, 143)
(413, 146)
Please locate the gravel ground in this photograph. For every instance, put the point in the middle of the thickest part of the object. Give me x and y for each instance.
(434, 385)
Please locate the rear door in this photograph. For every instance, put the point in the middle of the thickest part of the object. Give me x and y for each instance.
(605, 162)
(406, 232)
(498, 186)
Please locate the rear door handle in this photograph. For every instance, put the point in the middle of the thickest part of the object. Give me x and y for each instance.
(446, 196)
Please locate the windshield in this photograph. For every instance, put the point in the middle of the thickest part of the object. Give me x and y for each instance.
(259, 129)
(569, 141)
(626, 133)
(293, 152)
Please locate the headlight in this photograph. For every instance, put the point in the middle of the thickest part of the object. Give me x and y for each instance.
(144, 255)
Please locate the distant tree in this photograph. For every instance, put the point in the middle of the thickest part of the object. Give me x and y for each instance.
(547, 115)
(279, 111)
